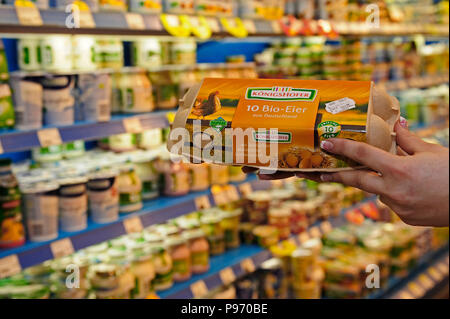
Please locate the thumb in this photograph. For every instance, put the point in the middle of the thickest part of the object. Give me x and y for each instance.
(408, 141)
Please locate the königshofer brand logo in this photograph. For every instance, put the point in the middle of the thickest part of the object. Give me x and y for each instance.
(278, 93)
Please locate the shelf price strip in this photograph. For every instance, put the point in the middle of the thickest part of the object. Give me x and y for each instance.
(248, 265)
(61, 248)
(135, 21)
(133, 225)
(27, 13)
(227, 276)
(202, 202)
(9, 266)
(199, 289)
(49, 137)
(132, 125)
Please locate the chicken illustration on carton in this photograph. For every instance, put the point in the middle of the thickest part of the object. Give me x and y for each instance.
(279, 124)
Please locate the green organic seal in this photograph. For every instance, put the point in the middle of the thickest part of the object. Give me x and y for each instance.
(218, 124)
(329, 129)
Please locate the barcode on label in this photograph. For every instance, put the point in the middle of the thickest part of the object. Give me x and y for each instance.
(9, 266)
(49, 137)
(227, 276)
(37, 229)
(61, 248)
(199, 289)
(202, 202)
(103, 109)
(248, 265)
(133, 225)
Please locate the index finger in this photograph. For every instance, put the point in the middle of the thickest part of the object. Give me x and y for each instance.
(363, 153)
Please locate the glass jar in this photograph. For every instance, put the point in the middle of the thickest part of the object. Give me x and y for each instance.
(257, 207)
(199, 247)
(230, 225)
(163, 266)
(211, 224)
(130, 188)
(181, 258)
(176, 179)
(280, 218)
(199, 176)
(298, 219)
(149, 176)
(136, 91)
(183, 52)
(146, 52)
(143, 269)
(104, 280)
(218, 174)
(235, 174)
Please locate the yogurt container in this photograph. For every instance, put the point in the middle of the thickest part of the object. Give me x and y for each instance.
(40, 203)
(73, 204)
(29, 54)
(147, 52)
(59, 103)
(84, 53)
(94, 93)
(103, 196)
(149, 176)
(56, 53)
(28, 104)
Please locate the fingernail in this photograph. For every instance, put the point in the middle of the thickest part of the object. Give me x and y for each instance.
(403, 122)
(326, 145)
(326, 178)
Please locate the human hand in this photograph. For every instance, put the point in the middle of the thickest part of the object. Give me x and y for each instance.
(414, 184)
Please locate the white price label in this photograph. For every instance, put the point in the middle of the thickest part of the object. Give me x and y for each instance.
(326, 227)
(232, 193)
(227, 276)
(220, 197)
(199, 289)
(9, 266)
(61, 248)
(426, 282)
(314, 232)
(86, 19)
(132, 125)
(416, 290)
(443, 268)
(29, 16)
(49, 137)
(250, 26)
(248, 265)
(135, 21)
(133, 225)
(1, 148)
(213, 24)
(436, 275)
(245, 189)
(303, 237)
(276, 27)
(202, 202)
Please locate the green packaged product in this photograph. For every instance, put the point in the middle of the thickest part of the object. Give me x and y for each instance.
(7, 118)
(4, 76)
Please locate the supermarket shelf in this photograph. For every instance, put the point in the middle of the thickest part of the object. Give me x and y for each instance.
(154, 212)
(162, 68)
(415, 83)
(116, 23)
(234, 260)
(426, 280)
(17, 140)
